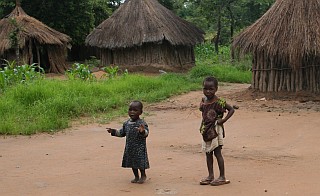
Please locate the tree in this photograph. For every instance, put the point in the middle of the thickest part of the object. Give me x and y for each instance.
(101, 10)
(221, 18)
(73, 17)
(6, 7)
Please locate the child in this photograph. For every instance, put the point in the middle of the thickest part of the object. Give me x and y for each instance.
(135, 153)
(212, 130)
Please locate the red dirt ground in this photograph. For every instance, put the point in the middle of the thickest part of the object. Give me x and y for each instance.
(271, 148)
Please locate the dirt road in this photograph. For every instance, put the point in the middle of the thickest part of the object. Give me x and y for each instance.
(271, 148)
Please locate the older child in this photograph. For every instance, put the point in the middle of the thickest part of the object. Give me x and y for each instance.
(212, 130)
(135, 153)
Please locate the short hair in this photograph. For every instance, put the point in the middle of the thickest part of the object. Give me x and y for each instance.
(139, 103)
(211, 79)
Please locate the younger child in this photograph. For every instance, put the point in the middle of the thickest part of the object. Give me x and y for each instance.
(135, 153)
(212, 130)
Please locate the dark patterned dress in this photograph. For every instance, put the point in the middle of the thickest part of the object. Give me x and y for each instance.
(135, 152)
(210, 113)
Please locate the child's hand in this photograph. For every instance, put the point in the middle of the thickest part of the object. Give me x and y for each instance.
(110, 130)
(140, 128)
(220, 122)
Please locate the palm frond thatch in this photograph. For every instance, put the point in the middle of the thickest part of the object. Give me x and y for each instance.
(143, 21)
(289, 30)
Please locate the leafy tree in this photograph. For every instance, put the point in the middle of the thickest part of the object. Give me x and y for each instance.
(114, 4)
(73, 17)
(101, 10)
(6, 7)
(221, 19)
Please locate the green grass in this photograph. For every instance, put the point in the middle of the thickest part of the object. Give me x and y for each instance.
(50, 105)
(44, 105)
(224, 73)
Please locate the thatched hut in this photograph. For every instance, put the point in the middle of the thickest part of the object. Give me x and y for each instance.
(37, 42)
(285, 47)
(145, 33)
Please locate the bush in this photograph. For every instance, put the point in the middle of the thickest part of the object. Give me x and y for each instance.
(80, 71)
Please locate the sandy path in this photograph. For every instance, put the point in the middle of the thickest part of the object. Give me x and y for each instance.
(267, 152)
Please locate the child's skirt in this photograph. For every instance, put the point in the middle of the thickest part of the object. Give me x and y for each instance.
(218, 141)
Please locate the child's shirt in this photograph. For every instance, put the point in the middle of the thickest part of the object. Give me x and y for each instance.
(210, 113)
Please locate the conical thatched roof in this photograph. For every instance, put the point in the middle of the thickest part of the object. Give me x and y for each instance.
(143, 21)
(30, 29)
(289, 30)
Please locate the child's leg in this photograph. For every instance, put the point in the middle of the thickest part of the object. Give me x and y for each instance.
(209, 157)
(136, 175)
(143, 176)
(207, 180)
(220, 160)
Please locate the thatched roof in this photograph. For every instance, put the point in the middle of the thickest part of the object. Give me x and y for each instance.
(30, 29)
(143, 21)
(289, 30)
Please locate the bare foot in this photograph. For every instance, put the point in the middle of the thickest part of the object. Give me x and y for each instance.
(142, 179)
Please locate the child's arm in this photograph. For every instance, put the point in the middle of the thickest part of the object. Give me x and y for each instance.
(229, 114)
(201, 104)
(112, 131)
(115, 132)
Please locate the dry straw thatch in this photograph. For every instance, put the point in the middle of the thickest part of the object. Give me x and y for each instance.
(143, 25)
(285, 43)
(33, 35)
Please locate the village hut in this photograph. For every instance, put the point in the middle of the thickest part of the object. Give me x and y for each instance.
(285, 47)
(37, 42)
(144, 33)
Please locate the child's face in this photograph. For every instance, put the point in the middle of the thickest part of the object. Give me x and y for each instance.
(134, 111)
(209, 89)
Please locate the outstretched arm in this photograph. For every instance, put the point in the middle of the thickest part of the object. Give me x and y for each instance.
(110, 130)
(117, 133)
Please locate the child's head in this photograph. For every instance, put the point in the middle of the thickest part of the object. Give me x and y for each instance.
(210, 87)
(135, 110)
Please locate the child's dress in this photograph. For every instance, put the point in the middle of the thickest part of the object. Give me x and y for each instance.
(210, 113)
(135, 152)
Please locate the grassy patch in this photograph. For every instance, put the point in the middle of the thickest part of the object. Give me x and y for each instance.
(30, 104)
(49, 105)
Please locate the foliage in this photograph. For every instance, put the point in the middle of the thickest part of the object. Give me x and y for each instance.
(101, 10)
(93, 62)
(206, 55)
(14, 35)
(49, 105)
(234, 15)
(226, 73)
(220, 65)
(12, 74)
(5, 5)
(80, 71)
(114, 71)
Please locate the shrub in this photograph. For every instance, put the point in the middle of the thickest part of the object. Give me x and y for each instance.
(80, 71)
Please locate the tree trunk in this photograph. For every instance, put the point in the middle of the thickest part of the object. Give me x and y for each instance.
(217, 40)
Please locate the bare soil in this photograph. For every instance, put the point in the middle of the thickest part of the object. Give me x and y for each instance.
(271, 148)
